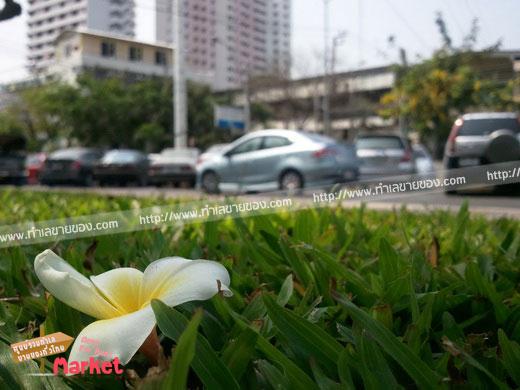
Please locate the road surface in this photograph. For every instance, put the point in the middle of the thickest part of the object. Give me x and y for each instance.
(480, 201)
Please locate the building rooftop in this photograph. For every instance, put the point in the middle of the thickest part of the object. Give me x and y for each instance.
(103, 34)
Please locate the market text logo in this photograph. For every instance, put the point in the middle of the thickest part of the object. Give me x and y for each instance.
(40, 347)
(100, 361)
(92, 366)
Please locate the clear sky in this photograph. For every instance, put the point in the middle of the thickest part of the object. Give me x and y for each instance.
(368, 24)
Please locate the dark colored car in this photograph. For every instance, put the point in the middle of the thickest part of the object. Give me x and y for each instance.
(122, 166)
(70, 166)
(34, 165)
(174, 166)
(12, 160)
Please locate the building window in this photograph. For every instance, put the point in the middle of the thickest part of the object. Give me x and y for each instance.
(160, 58)
(68, 50)
(108, 49)
(135, 53)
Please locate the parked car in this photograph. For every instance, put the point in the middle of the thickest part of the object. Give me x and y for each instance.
(34, 165)
(384, 155)
(122, 166)
(423, 160)
(278, 159)
(174, 166)
(12, 160)
(483, 138)
(70, 166)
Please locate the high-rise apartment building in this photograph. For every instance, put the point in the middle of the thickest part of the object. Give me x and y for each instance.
(48, 18)
(227, 41)
(279, 36)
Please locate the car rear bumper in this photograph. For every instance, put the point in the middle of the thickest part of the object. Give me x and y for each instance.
(453, 162)
(374, 172)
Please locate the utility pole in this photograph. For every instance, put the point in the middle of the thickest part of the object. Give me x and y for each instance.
(326, 76)
(336, 41)
(180, 116)
(403, 124)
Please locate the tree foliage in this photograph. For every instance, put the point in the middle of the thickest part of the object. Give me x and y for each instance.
(431, 94)
(105, 113)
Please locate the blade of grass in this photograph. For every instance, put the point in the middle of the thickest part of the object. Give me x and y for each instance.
(298, 378)
(303, 335)
(238, 353)
(510, 356)
(419, 371)
(183, 354)
(206, 363)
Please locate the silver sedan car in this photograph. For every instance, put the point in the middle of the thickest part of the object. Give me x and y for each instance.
(278, 159)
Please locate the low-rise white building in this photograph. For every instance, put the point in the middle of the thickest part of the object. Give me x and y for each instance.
(46, 19)
(104, 55)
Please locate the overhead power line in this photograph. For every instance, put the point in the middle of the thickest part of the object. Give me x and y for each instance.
(408, 25)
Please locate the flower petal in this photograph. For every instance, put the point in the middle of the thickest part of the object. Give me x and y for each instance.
(157, 273)
(71, 287)
(176, 280)
(121, 287)
(119, 337)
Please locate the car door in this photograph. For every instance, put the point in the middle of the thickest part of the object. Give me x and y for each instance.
(237, 159)
(262, 166)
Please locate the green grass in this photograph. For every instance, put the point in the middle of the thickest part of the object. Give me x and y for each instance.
(326, 299)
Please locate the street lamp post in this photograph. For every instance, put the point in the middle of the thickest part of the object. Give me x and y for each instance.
(180, 116)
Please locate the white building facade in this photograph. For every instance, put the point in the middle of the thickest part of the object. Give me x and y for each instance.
(227, 41)
(48, 18)
(105, 55)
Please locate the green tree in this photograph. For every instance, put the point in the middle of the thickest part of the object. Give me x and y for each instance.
(107, 113)
(431, 94)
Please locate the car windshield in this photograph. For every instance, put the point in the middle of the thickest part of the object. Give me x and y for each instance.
(379, 143)
(67, 154)
(121, 157)
(487, 126)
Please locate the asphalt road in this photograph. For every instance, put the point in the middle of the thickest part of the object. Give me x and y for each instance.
(480, 201)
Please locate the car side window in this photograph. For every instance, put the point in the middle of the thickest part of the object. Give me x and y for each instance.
(247, 146)
(275, 142)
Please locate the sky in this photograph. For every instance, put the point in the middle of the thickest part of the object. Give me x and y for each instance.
(367, 23)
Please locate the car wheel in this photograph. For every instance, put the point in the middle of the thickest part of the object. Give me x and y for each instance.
(504, 147)
(210, 182)
(291, 181)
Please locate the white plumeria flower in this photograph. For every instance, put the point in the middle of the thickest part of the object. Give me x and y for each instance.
(120, 298)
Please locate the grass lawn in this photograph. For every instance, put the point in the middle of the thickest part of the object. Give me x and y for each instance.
(325, 299)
